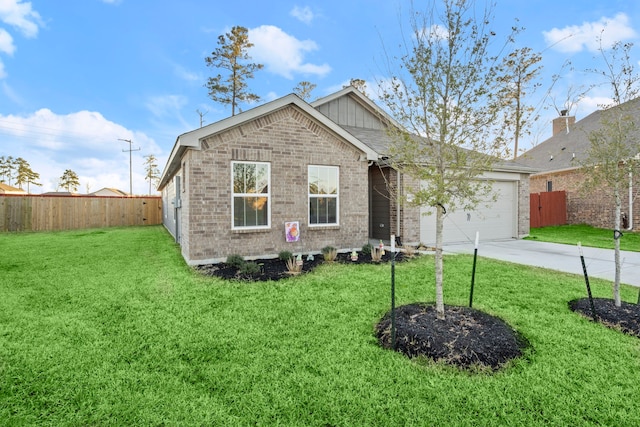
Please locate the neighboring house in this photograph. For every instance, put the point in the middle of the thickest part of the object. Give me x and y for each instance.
(558, 163)
(59, 193)
(7, 189)
(109, 192)
(289, 175)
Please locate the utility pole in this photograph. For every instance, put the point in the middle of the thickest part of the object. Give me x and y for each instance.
(130, 171)
(201, 114)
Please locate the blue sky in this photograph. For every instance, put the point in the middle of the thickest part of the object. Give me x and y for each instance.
(78, 76)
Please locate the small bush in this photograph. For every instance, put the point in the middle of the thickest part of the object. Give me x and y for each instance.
(376, 254)
(409, 251)
(285, 255)
(235, 260)
(329, 253)
(249, 268)
(366, 249)
(293, 267)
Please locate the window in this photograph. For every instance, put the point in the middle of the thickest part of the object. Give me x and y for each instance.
(323, 195)
(251, 207)
(549, 185)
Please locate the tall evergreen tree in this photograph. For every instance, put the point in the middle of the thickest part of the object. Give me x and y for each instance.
(25, 175)
(152, 173)
(70, 181)
(8, 168)
(232, 55)
(304, 89)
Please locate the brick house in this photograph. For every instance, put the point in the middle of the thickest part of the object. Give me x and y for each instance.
(558, 163)
(289, 175)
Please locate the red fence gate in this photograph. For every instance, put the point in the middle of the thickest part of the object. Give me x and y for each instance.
(548, 208)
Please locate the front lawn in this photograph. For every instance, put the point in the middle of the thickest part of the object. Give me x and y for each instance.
(587, 235)
(110, 327)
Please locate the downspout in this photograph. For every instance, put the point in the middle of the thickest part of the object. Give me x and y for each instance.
(398, 210)
(630, 201)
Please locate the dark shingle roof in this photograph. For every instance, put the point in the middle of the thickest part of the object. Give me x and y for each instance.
(566, 150)
(380, 141)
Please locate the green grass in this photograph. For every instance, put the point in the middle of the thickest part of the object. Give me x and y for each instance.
(587, 235)
(110, 327)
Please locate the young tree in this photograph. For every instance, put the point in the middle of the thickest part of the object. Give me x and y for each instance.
(304, 89)
(25, 174)
(444, 94)
(519, 73)
(612, 161)
(70, 181)
(152, 173)
(231, 55)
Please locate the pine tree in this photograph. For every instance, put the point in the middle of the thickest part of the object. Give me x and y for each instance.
(304, 89)
(25, 175)
(231, 55)
(70, 181)
(152, 173)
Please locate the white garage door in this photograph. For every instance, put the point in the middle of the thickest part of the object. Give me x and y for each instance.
(494, 222)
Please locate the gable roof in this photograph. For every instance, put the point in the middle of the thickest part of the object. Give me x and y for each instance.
(7, 189)
(108, 191)
(566, 150)
(377, 137)
(192, 139)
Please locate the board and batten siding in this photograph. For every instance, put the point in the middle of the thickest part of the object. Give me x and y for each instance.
(346, 111)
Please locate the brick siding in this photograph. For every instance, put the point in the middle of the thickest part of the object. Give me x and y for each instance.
(595, 208)
(289, 141)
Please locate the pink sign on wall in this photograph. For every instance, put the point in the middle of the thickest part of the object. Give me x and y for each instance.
(292, 231)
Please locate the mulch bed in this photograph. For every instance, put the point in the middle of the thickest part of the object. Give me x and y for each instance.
(466, 338)
(625, 318)
(276, 269)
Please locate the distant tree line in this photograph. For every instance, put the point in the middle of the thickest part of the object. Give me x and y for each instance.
(17, 171)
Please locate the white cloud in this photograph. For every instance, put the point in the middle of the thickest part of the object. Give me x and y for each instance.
(6, 42)
(185, 74)
(303, 14)
(282, 53)
(575, 38)
(21, 16)
(166, 105)
(3, 73)
(84, 141)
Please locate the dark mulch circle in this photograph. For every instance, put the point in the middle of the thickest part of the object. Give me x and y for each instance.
(466, 338)
(625, 318)
(276, 269)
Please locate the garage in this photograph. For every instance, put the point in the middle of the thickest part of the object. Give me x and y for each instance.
(494, 220)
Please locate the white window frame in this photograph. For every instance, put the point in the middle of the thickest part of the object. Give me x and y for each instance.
(335, 196)
(267, 195)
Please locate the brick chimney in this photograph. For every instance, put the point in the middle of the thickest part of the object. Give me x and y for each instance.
(563, 123)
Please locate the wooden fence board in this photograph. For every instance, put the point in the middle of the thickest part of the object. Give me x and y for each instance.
(50, 213)
(548, 208)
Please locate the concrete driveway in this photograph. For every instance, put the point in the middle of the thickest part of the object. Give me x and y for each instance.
(566, 258)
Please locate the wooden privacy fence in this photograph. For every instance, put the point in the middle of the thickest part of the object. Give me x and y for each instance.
(50, 213)
(549, 208)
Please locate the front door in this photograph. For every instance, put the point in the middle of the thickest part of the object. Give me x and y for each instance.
(380, 206)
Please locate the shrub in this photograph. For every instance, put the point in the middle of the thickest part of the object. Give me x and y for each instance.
(376, 254)
(249, 268)
(409, 251)
(285, 255)
(329, 253)
(235, 260)
(366, 249)
(293, 267)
